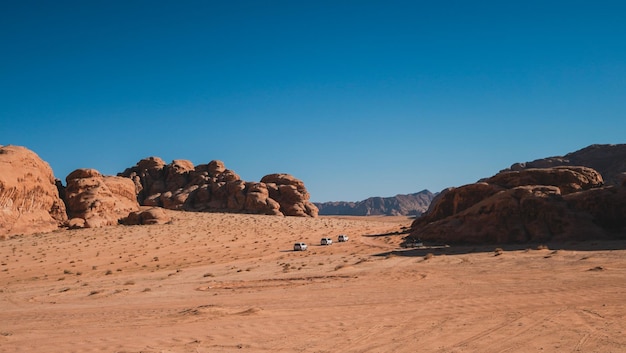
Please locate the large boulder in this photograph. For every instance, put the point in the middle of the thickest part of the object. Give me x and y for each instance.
(94, 200)
(153, 215)
(212, 187)
(529, 205)
(29, 198)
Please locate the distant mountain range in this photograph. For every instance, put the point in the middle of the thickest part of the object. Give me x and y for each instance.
(399, 205)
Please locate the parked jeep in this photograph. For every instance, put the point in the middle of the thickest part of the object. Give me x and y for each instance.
(299, 246)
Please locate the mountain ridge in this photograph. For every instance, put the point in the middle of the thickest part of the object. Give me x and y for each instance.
(399, 205)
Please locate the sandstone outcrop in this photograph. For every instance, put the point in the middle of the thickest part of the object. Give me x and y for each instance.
(608, 160)
(290, 194)
(153, 215)
(212, 187)
(399, 205)
(29, 199)
(94, 200)
(529, 205)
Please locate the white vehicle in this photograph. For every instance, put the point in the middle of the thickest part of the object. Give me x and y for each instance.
(342, 237)
(299, 246)
(326, 241)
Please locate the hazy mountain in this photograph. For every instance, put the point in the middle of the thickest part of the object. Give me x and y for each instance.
(399, 205)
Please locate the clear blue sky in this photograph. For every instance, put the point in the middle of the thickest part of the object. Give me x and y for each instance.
(356, 98)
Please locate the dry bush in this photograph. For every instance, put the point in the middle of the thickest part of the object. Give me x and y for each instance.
(429, 256)
(498, 252)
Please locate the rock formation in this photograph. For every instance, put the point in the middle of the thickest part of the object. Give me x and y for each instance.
(529, 205)
(399, 205)
(608, 160)
(32, 200)
(29, 199)
(153, 215)
(290, 194)
(212, 187)
(94, 200)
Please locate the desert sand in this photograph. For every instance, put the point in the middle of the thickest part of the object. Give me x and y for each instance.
(232, 283)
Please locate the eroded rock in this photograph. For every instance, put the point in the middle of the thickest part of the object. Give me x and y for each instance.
(99, 200)
(29, 198)
(529, 205)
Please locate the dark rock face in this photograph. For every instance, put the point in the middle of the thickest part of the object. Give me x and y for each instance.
(608, 160)
(212, 187)
(399, 205)
(530, 205)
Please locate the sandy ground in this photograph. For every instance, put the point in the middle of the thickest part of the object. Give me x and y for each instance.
(232, 283)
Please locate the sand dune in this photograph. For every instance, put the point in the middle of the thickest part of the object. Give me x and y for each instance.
(229, 282)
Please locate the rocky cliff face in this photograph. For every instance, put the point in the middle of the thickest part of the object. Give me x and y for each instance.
(212, 187)
(29, 199)
(399, 205)
(608, 160)
(529, 205)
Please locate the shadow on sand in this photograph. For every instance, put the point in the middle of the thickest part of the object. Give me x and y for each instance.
(439, 249)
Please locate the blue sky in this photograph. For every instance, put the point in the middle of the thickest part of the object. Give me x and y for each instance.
(356, 98)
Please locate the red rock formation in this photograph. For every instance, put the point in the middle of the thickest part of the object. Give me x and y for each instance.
(29, 199)
(94, 200)
(291, 194)
(608, 160)
(154, 215)
(212, 187)
(568, 179)
(534, 205)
